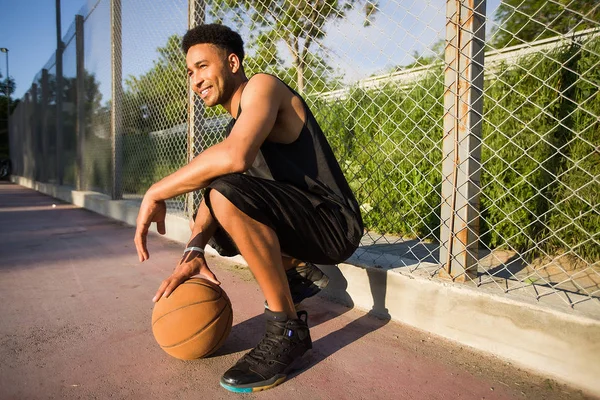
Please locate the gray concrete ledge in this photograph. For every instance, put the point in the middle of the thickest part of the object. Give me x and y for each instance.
(558, 344)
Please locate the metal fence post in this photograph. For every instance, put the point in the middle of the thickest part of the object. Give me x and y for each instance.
(26, 139)
(461, 146)
(21, 136)
(196, 15)
(59, 95)
(14, 135)
(80, 122)
(35, 129)
(44, 130)
(117, 96)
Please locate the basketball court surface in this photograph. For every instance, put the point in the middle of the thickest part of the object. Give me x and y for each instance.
(76, 306)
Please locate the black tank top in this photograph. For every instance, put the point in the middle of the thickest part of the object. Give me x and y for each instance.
(309, 164)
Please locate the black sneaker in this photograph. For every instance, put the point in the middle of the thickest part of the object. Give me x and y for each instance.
(273, 358)
(305, 281)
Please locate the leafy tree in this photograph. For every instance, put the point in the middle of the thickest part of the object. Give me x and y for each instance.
(158, 99)
(525, 21)
(317, 75)
(11, 85)
(3, 110)
(298, 23)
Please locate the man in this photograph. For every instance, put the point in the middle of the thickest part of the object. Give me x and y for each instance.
(274, 193)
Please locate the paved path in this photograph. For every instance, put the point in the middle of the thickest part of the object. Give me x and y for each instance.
(75, 307)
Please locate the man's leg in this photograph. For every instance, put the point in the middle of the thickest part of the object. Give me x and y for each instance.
(287, 336)
(304, 279)
(259, 246)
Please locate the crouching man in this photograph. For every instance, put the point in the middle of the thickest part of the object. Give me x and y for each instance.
(274, 194)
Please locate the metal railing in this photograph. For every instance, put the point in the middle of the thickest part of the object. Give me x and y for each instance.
(469, 130)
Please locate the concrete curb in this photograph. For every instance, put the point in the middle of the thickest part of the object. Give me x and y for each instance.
(562, 345)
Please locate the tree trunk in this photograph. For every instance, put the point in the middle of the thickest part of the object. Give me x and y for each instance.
(300, 75)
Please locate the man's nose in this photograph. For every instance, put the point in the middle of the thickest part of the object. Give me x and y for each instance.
(197, 80)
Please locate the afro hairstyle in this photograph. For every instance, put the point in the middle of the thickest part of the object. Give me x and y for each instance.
(215, 34)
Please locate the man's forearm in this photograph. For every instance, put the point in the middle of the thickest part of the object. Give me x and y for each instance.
(215, 161)
(204, 227)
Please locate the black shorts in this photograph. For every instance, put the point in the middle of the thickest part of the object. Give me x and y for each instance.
(309, 227)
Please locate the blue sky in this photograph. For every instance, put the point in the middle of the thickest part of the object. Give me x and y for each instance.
(28, 30)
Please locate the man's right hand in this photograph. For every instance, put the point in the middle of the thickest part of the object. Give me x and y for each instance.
(150, 211)
(191, 264)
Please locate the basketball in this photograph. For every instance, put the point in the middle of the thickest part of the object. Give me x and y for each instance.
(193, 321)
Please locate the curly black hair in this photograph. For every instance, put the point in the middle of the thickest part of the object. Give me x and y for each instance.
(216, 34)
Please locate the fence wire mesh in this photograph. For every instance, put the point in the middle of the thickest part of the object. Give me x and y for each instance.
(375, 73)
(155, 97)
(540, 185)
(97, 97)
(69, 107)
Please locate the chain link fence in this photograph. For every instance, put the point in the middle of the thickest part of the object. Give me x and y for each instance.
(540, 181)
(96, 145)
(468, 130)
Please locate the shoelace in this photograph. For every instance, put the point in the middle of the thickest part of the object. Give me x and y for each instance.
(265, 348)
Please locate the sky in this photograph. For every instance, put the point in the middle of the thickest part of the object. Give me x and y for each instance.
(28, 30)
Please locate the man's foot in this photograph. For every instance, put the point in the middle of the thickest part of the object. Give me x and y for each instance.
(275, 356)
(305, 281)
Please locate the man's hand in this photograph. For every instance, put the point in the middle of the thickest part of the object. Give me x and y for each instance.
(192, 263)
(150, 211)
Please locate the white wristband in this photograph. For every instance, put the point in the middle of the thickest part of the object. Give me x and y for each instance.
(198, 249)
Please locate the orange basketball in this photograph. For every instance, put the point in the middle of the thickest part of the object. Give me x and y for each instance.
(193, 321)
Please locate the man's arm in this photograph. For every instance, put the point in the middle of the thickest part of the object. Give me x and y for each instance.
(261, 101)
(204, 227)
(192, 262)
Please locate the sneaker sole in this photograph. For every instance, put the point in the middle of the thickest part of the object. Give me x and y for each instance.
(278, 379)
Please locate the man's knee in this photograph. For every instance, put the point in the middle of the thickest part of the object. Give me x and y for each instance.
(231, 202)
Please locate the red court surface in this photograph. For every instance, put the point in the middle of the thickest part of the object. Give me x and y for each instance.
(75, 309)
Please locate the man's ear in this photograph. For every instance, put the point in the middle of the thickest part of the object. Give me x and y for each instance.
(234, 62)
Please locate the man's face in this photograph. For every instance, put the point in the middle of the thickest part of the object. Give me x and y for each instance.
(211, 73)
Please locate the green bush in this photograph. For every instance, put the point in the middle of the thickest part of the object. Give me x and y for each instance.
(97, 164)
(539, 185)
(97, 152)
(147, 159)
(139, 161)
(540, 189)
(574, 221)
(520, 118)
(388, 142)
